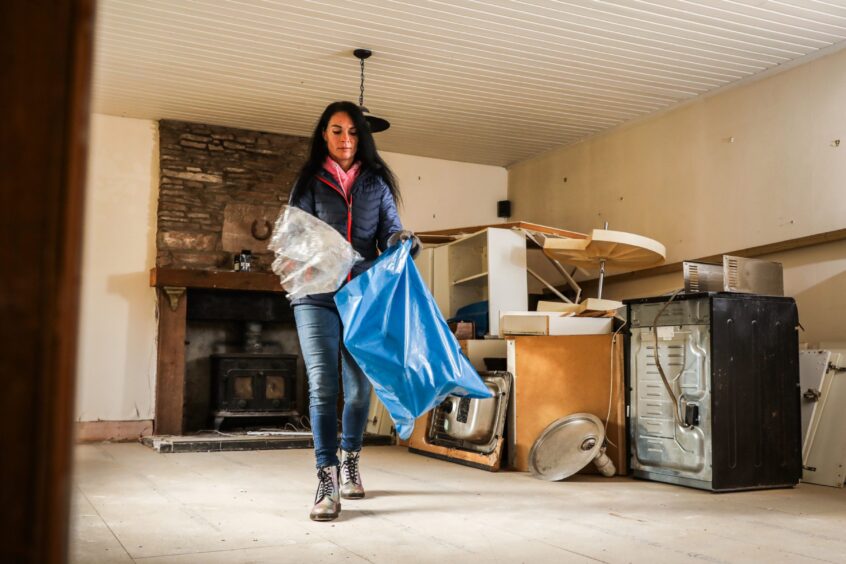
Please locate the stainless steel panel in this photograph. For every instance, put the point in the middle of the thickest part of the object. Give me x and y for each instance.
(682, 312)
(752, 276)
(736, 274)
(661, 447)
(566, 446)
(473, 424)
(702, 277)
(673, 479)
(470, 420)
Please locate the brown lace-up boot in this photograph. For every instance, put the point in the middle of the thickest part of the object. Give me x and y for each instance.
(351, 486)
(327, 501)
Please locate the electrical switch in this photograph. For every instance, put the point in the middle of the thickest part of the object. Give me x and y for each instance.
(691, 414)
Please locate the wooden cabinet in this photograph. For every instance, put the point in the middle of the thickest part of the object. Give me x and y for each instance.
(488, 265)
(556, 376)
(425, 263)
(379, 421)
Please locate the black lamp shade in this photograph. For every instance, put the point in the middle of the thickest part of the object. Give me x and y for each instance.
(377, 124)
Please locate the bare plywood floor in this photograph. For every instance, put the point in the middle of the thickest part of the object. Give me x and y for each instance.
(134, 505)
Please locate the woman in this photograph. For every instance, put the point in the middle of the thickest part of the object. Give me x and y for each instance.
(346, 184)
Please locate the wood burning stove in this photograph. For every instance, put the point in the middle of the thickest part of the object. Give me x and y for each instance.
(253, 385)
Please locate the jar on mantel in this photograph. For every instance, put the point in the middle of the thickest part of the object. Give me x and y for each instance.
(242, 262)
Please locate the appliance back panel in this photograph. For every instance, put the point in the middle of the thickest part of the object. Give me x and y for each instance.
(755, 395)
(753, 369)
(659, 445)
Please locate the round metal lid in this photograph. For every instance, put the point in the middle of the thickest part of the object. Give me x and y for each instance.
(566, 446)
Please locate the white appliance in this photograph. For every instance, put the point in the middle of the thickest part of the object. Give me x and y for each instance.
(824, 448)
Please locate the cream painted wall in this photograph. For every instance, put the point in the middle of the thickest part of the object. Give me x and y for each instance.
(440, 194)
(679, 178)
(117, 350)
(815, 277)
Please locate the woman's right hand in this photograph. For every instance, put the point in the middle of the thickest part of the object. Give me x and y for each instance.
(405, 235)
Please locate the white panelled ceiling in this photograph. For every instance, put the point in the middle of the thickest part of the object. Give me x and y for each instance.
(488, 81)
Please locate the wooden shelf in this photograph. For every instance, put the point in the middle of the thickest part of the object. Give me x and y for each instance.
(480, 278)
(488, 265)
(215, 279)
(749, 252)
(438, 236)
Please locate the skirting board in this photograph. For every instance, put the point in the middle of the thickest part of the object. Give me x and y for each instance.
(94, 431)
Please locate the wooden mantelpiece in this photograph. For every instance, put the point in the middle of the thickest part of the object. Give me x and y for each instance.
(215, 279)
(170, 284)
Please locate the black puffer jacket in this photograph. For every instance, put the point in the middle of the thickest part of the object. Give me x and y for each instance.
(366, 220)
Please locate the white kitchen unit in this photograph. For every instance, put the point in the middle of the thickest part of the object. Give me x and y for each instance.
(488, 265)
(824, 449)
(813, 364)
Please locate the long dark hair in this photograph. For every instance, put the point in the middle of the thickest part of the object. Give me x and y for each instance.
(365, 151)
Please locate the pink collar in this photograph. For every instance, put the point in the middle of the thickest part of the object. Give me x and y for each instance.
(345, 179)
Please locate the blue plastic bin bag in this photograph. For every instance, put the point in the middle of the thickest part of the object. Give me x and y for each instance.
(394, 331)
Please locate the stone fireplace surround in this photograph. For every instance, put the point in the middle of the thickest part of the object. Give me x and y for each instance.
(220, 191)
(218, 188)
(177, 396)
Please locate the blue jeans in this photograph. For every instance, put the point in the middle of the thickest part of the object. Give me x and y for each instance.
(319, 330)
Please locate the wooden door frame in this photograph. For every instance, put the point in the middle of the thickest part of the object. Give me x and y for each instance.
(46, 54)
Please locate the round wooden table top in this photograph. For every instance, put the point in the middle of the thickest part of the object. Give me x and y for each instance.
(616, 248)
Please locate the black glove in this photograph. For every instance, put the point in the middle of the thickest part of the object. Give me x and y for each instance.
(405, 235)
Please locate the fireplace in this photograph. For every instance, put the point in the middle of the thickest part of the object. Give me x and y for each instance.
(238, 325)
(219, 193)
(228, 349)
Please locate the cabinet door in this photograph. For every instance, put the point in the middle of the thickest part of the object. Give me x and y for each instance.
(425, 263)
(507, 286)
(557, 376)
(441, 282)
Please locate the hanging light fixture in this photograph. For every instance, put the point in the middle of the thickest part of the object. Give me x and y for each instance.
(376, 124)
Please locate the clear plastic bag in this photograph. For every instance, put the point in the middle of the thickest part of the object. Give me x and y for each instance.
(311, 256)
